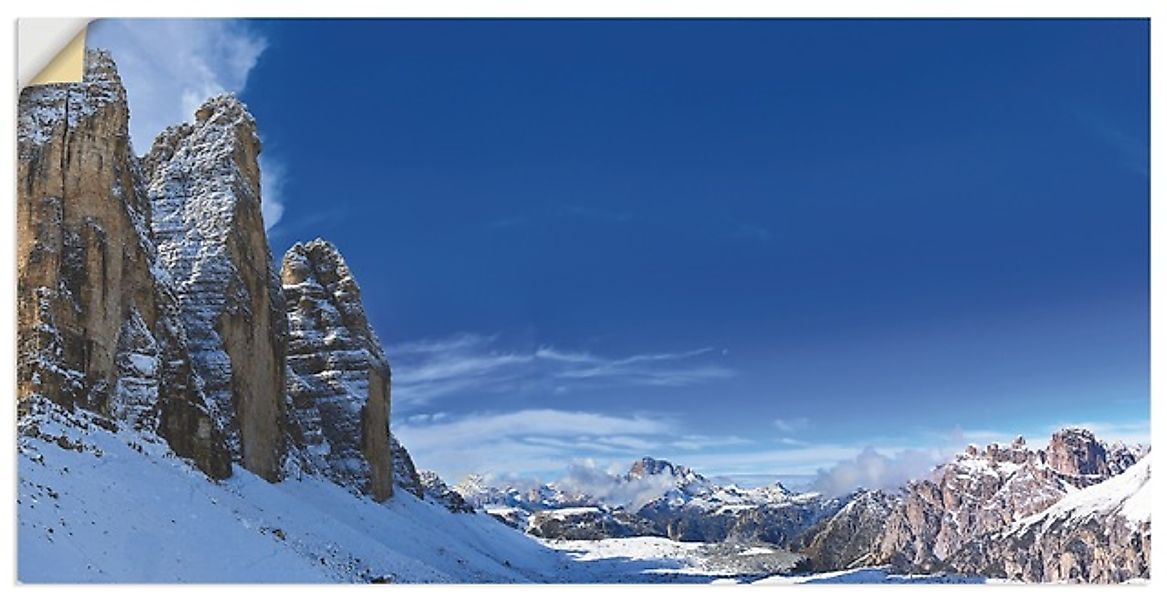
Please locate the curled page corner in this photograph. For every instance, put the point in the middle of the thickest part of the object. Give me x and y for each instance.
(50, 50)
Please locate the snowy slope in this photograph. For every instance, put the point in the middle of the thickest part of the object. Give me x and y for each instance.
(1127, 494)
(110, 512)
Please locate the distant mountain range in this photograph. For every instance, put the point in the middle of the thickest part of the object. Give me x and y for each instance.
(965, 516)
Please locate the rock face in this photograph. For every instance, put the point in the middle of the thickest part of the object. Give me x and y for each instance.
(847, 538)
(148, 297)
(1077, 452)
(338, 376)
(204, 186)
(977, 494)
(405, 475)
(99, 324)
(588, 523)
(1100, 534)
(435, 489)
(984, 491)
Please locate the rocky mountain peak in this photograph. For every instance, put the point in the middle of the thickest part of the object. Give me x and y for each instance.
(102, 71)
(338, 375)
(1075, 451)
(649, 466)
(976, 494)
(225, 109)
(438, 491)
(203, 184)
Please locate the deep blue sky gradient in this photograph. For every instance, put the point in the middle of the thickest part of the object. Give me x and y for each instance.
(881, 226)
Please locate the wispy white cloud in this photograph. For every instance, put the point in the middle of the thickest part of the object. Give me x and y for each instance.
(170, 66)
(429, 369)
(527, 441)
(701, 442)
(791, 424)
(609, 485)
(271, 183)
(875, 470)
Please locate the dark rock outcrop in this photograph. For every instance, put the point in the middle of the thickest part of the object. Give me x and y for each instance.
(848, 537)
(437, 491)
(588, 523)
(405, 475)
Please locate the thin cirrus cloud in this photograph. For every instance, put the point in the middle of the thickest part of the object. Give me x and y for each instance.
(527, 441)
(791, 425)
(519, 444)
(429, 369)
(170, 66)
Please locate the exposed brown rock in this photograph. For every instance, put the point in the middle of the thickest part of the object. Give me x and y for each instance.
(1077, 452)
(206, 219)
(338, 373)
(848, 537)
(98, 325)
(979, 493)
(1099, 534)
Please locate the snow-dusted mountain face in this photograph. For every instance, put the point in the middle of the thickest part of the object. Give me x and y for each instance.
(694, 508)
(100, 323)
(847, 538)
(654, 497)
(338, 375)
(203, 184)
(1098, 534)
(979, 492)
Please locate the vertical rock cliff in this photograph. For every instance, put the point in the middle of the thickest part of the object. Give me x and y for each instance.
(338, 376)
(98, 320)
(203, 184)
(148, 296)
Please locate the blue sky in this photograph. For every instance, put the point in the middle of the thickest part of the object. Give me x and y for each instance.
(756, 247)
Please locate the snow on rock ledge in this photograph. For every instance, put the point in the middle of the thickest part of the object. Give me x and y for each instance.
(204, 188)
(338, 376)
(1097, 534)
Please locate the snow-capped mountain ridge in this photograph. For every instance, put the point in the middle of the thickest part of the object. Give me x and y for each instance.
(981, 491)
(1100, 533)
(670, 500)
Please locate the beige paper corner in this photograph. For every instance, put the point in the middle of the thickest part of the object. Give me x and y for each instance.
(51, 50)
(67, 66)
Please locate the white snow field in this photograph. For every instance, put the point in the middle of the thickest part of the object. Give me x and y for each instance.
(112, 513)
